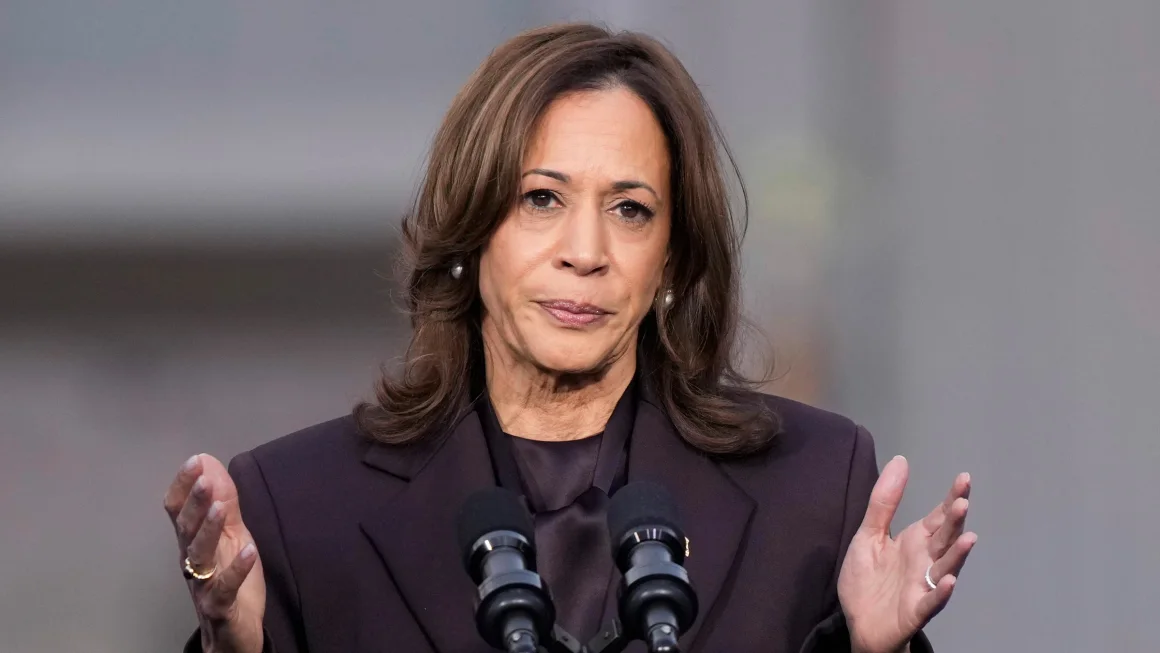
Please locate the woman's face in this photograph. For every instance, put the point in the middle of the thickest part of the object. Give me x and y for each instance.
(577, 263)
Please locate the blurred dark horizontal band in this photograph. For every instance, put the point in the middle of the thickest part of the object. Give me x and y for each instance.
(266, 281)
(206, 222)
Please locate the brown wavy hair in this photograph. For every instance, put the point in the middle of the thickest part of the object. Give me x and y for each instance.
(684, 353)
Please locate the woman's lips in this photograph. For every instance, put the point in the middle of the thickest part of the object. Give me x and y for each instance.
(574, 313)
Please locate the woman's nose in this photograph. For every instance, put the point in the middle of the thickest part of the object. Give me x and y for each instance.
(583, 245)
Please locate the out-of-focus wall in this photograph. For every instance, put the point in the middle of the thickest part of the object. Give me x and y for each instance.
(1004, 316)
(953, 239)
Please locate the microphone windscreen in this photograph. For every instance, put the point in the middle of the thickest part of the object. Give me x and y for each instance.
(492, 509)
(641, 504)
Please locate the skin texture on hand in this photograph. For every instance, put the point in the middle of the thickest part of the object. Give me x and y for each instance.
(882, 585)
(202, 503)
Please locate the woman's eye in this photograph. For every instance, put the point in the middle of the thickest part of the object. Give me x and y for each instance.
(633, 211)
(540, 199)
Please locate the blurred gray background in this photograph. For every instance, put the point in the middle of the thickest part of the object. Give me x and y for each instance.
(954, 239)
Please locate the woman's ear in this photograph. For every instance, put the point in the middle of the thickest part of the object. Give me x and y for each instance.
(664, 270)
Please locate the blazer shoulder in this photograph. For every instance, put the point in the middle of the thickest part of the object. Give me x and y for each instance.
(337, 434)
(797, 420)
(809, 441)
(327, 448)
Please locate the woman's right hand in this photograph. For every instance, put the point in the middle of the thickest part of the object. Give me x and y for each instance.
(202, 501)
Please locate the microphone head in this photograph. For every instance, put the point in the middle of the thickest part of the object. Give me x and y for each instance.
(649, 548)
(639, 505)
(489, 510)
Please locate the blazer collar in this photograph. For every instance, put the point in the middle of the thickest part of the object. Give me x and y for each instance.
(414, 532)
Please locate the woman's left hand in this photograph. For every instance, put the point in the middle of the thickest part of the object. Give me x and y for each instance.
(882, 585)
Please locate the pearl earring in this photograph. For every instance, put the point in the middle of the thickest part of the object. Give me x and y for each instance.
(669, 298)
(457, 271)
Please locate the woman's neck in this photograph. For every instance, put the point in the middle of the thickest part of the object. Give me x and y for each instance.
(533, 404)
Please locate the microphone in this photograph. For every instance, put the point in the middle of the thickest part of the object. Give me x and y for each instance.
(514, 611)
(657, 602)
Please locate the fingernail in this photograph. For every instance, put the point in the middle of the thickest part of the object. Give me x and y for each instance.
(199, 486)
(214, 511)
(248, 551)
(188, 465)
(899, 457)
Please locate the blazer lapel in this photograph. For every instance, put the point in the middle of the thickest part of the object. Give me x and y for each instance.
(415, 533)
(714, 512)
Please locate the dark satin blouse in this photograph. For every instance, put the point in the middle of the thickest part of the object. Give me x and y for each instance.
(566, 485)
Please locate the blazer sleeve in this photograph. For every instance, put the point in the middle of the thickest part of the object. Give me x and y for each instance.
(831, 635)
(282, 624)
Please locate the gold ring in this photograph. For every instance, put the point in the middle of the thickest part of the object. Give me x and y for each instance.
(189, 572)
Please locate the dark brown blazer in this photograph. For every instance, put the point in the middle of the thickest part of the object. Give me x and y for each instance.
(359, 551)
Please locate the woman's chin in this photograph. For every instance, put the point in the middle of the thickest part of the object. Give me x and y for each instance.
(570, 366)
(562, 351)
(567, 360)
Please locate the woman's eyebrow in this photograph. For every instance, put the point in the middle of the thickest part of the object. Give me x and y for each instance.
(629, 184)
(558, 176)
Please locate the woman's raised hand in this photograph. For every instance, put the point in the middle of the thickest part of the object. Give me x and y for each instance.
(890, 587)
(218, 556)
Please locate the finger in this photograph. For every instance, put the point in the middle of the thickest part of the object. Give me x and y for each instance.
(224, 489)
(886, 496)
(935, 600)
(950, 530)
(178, 490)
(952, 563)
(193, 512)
(217, 471)
(202, 550)
(216, 603)
(960, 488)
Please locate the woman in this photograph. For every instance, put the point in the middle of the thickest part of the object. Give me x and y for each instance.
(573, 289)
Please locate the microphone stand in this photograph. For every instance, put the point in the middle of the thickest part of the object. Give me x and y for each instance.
(610, 640)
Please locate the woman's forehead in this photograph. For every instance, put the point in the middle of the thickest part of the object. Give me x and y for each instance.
(600, 133)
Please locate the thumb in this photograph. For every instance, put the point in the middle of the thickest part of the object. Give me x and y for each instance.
(886, 496)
